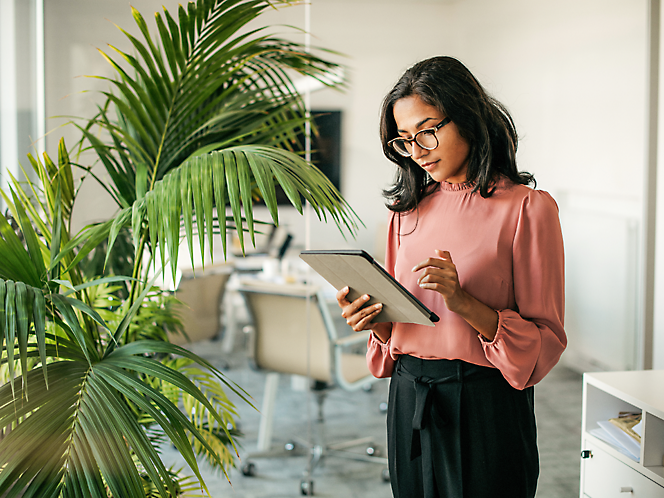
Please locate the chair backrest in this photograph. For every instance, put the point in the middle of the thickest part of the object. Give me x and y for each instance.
(290, 332)
(201, 297)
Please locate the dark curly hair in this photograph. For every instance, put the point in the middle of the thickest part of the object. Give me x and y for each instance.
(446, 84)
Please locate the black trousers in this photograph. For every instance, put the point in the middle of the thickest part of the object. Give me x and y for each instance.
(458, 430)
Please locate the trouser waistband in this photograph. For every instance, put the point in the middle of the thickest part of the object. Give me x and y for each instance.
(425, 374)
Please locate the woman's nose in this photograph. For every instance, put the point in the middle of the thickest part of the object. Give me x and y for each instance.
(418, 151)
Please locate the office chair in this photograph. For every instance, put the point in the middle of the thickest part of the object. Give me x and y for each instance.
(295, 335)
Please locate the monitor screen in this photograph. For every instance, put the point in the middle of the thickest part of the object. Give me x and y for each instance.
(325, 148)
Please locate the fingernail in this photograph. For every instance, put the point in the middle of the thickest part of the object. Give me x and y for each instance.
(365, 297)
(378, 306)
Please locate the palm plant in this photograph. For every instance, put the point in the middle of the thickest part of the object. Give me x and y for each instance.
(206, 119)
(92, 393)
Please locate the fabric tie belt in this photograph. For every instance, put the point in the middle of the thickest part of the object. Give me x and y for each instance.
(436, 420)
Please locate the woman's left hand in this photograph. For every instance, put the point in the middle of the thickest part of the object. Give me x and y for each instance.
(440, 275)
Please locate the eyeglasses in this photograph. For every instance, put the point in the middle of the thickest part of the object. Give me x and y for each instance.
(426, 139)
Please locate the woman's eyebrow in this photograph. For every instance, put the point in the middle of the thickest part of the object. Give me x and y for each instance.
(418, 124)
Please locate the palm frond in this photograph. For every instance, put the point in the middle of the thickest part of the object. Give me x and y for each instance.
(220, 438)
(16, 262)
(200, 84)
(21, 307)
(43, 215)
(79, 435)
(232, 175)
(157, 316)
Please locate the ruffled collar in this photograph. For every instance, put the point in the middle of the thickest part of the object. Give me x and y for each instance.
(453, 187)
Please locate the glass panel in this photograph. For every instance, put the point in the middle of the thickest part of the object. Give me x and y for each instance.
(20, 55)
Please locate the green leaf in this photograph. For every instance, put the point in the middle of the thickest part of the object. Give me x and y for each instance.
(57, 236)
(39, 319)
(219, 182)
(24, 300)
(245, 191)
(10, 328)
(3, 313)
(263, 176)
(15, 263)
(184, 82)
(196, 180)
(169, 417)
(65, 177)
(126, 320)
(186, 197)
(64, 283)
(30, 238)
(232, 183)
(91, 236)
(88, 310)
(145, 452)
(207, 201)
(69, 316)
(94, 283)
(141, 180)
(121, 220)
(145, 347)
(36, 209)
(20, 306)
(138, 212)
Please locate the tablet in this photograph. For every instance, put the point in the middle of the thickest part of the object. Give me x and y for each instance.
(359, 271)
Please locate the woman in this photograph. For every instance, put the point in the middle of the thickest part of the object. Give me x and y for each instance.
(479, 247)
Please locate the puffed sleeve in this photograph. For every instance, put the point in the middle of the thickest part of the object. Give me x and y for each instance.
(379, 359)
(531, 338)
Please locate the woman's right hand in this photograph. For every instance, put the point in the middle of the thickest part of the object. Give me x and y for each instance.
(357, 317)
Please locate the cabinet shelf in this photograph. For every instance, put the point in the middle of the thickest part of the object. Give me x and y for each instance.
(608, 470)
(658, 471)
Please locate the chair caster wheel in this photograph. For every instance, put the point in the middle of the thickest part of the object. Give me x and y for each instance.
(385, 475)
(307, 487)
(249, 469)
(373, 451)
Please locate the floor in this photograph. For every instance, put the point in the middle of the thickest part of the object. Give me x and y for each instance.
(358, 414)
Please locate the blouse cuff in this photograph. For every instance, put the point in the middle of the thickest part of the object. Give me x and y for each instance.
(499, 333)
(377, 340)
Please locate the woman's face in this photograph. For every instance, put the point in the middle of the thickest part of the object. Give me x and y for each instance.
(447, 162)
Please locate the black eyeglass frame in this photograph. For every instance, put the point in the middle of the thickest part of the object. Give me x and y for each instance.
(432, 131)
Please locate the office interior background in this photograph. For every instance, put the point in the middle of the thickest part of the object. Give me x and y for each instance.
(582, 79)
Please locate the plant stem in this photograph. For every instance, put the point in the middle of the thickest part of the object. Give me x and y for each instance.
(138, 262)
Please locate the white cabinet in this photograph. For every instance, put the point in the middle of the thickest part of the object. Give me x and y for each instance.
(605, 471)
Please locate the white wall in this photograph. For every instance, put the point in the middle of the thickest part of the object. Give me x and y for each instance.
(572, 72)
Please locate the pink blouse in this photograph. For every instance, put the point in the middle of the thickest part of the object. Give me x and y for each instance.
(508, 252)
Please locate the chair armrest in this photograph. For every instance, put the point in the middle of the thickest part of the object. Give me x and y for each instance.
(355, 338)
